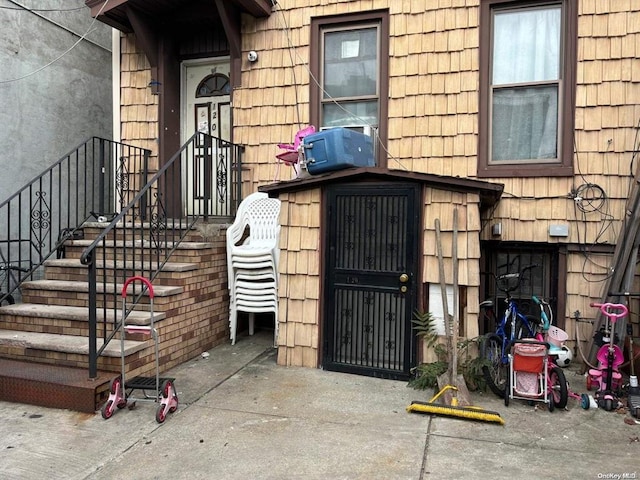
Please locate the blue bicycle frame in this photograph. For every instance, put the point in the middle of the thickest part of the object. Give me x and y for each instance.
(513, 319)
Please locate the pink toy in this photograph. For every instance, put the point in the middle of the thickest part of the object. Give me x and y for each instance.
(293, 154)
(606, 378)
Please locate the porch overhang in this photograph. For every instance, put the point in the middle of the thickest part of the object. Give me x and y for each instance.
(116, 12)
(489, 193)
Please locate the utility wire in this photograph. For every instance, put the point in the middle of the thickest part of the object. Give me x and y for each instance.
(83, 37)
(36, 13)
(22, 8)
(285, 28)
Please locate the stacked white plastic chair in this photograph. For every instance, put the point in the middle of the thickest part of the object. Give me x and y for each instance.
(252, 261)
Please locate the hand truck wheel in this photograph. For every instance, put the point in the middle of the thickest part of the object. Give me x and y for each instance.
(160, 414)
(168, 393)
(107, 409)
(116, 388)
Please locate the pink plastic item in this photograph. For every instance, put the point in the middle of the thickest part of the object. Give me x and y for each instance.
(290, 155)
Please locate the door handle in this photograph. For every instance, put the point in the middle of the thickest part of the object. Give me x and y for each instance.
(404, 278)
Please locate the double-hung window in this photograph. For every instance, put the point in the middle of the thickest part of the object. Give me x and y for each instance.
(527, 83)
(349, 66)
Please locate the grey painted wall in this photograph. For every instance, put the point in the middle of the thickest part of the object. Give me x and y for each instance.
(46, 112)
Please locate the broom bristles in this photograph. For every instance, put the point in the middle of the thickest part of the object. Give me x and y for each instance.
(468, 413)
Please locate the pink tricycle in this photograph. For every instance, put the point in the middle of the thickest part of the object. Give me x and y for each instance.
(606, 377)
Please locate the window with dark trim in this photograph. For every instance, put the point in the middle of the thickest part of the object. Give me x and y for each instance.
(350, 68)
(527, 87)
(546, 280)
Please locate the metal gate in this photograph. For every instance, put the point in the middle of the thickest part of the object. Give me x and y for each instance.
(370, 282)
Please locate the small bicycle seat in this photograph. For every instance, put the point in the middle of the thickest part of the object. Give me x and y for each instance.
(603, 354)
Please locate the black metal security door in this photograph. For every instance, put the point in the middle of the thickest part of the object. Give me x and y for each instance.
(370, 285)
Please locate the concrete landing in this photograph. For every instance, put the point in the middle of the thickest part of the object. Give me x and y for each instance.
(243, 417)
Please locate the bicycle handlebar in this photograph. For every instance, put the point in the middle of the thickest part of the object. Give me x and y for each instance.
(508, 276)
(546, 321)
(612, 310)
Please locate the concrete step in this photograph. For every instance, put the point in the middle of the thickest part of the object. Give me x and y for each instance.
(75, 293)
(72, 269)
(196, 233)
(66, 344)
(120, 265)
(130, 244)
(184, 252)
(60, 319)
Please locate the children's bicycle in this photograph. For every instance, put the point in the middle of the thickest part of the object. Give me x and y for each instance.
(495, 346)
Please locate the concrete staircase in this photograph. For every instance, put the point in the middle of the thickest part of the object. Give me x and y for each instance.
(44, 342)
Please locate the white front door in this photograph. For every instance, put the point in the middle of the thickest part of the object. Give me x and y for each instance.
(206, 109)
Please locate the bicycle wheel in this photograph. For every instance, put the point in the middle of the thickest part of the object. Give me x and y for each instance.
(495, 371)
(558, 387)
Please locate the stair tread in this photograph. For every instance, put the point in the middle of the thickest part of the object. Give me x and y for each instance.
(184, 245)
(69, 285)
(66, 343)
(136, 317)
(173, 223)
(167, 267)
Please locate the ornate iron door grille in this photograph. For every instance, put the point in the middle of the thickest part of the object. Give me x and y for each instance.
(370, 288)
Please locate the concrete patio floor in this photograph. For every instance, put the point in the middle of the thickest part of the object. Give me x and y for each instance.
(243, 417)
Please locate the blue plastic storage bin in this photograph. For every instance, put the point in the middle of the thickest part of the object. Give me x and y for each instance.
(336, 149)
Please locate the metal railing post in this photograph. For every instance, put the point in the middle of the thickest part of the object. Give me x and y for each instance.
(144, 201)
(238, 163)
(93, 320)
(101, 173)
(208, 169)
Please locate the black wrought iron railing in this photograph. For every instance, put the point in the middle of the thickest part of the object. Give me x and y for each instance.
(202, 181)
(91, 180)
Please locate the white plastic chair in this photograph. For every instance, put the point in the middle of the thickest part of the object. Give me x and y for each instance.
(252, 262)
(250, 307)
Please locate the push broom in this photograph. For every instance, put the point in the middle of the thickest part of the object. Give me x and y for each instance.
(453, 409)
